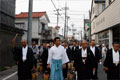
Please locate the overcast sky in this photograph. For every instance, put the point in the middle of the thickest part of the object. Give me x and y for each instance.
(78, 10)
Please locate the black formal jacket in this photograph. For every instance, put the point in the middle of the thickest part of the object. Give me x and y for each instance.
(25, 67)
(69, 53)
(97, 55)
(109, 60)
(77, 47)
(44, 56)
(90, 62)
(74, 52)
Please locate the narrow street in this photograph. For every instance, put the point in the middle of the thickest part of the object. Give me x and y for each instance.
(13, 76)
(46, 35)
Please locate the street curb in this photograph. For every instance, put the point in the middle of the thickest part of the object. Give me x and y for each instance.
(7, 72)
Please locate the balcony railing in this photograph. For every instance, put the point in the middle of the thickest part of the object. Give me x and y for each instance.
(45, 33)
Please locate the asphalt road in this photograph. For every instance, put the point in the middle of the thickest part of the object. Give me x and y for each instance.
(101, 75)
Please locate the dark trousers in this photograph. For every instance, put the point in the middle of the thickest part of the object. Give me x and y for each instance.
(25, 76)
(113, 73)
(65, 71)
(24, 71)
(21, 78)
(84, 73)
(44, 66)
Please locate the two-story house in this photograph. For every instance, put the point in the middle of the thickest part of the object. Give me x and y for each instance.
(39, 25)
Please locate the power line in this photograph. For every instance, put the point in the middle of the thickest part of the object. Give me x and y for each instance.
(54, 4)
(76, 18)
(56, 9)
(76, 14)
(47, 0)
(55, 23)
(63, 0)
(22, 1)
(78, 11)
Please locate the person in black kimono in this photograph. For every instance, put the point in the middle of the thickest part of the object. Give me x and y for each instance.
(35, 52)
(74, 50)
(69, 52)
(79, 45)
(84, 62)
(112, 63)
(25, 60)
(97, 56)
(44, 57)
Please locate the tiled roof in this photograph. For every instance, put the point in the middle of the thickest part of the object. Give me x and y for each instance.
(34, 14)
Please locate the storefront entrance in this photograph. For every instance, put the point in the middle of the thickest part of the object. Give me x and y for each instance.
(103, 38)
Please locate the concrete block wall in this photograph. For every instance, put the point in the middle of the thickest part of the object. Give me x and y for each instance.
(6, 55)
(7, 12)
(7, 32)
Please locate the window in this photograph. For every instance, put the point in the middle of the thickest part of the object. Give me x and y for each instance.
(103, 7)
(20, 25)
(93, 10)
(103, 38)
(43, 26)
(106, 35)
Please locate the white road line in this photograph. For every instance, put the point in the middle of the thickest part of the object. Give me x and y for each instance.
(10, 76)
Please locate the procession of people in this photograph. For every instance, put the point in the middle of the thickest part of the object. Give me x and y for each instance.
(66, 60)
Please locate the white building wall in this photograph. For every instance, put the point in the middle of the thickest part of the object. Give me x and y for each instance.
(44, 20)
(53, 32)
(108, 18)
(107, 2)
(25, 22)
(100, 6)
(93, 12)
(96, 9)
(22, 21)
(35, 28)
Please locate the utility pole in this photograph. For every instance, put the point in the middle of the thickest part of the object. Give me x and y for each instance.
(57, 14)
(57, 17)
(81, 35)
(29, 34)
(84, 28)
(62, 31)
(65, 21)
(72, 30)
(57, 25)
(90, 24)
(57, 20)
(67, 24)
